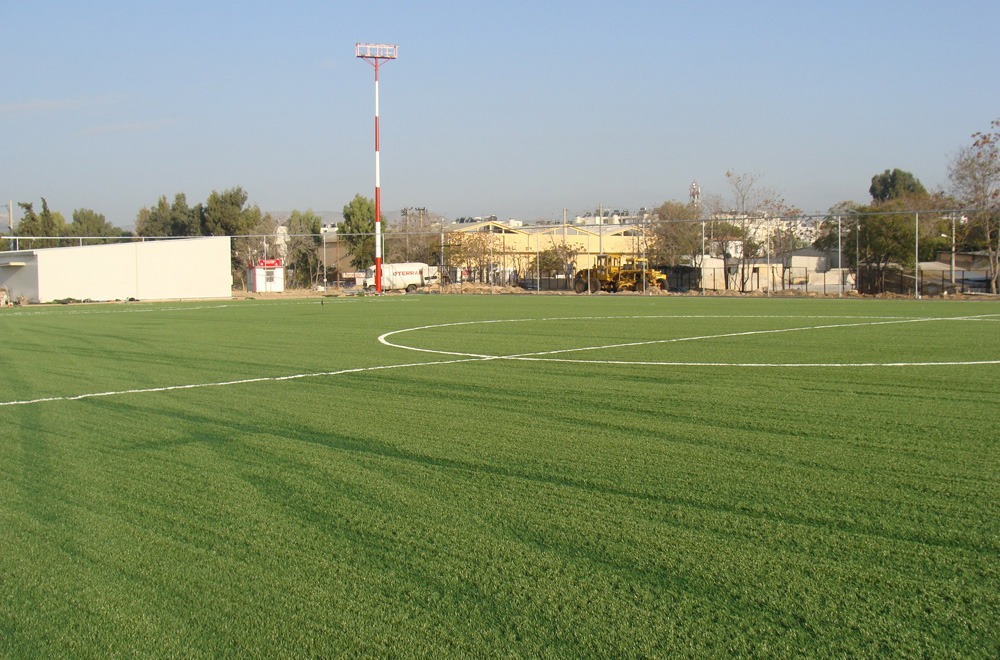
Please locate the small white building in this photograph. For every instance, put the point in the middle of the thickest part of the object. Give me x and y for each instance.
(266, 276)
(756, 275)
(172, 269)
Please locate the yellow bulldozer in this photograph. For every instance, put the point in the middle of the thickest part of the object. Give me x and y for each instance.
(612, 273)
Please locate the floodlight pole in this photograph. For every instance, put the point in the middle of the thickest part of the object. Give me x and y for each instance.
(374, 54)
(916, 255)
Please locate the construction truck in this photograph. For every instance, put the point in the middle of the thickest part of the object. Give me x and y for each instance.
(613, 273)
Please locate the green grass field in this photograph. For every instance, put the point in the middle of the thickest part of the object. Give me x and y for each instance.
(638, 476)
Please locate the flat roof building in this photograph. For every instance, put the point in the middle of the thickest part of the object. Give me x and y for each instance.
(172, 269)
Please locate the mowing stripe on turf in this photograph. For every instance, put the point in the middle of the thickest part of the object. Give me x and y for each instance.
(542, 355)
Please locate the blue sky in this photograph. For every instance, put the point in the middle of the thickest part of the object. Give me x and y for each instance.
(518, 109)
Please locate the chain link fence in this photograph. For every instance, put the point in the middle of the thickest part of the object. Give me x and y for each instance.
(908, 253)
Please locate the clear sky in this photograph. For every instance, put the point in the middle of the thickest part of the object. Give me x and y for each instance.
(518, 109)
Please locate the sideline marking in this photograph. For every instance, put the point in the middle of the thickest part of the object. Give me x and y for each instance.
(538, 356)
(148, 307)
(242, 381)
(132, 308)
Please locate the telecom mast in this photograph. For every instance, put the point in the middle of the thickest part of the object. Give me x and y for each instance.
(374, 54)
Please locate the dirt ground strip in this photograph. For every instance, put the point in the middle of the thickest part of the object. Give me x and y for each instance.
(485, 289)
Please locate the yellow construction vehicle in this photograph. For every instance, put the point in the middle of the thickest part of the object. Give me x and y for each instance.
(612, 275)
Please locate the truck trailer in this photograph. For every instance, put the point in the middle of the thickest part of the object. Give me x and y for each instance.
(407, 277)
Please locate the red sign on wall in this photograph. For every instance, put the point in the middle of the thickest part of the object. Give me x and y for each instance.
(269, 263)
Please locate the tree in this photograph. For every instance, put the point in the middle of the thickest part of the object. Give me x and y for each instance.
(358, 231)
(751, 204)
(301, 250)
(260, 243)
(225, 215)
(92, 225)
(974, 175)
(885, 237)
(548, 262)
(896, 184)
(880, 236)
(165, 219)
(48, 224)
(185, 220)
(155, 221)
(881, 233)
(554, 260)
(470, 251)
(675, 232)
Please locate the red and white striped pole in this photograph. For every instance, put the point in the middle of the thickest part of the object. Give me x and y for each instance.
(374, 54)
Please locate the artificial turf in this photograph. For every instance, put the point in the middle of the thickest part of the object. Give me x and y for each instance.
(268, 478)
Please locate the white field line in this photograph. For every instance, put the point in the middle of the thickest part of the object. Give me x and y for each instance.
(227, 383)
(383, 338)
(539, 356)
(131, 308)
(140, 307)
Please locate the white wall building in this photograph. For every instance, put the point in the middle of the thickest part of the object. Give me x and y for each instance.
(142, 270)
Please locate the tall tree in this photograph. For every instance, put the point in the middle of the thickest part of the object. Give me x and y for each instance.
(751, 204)
(301, 249)
(225, 215)
(185, 220)
(358, 231)
(885, 237)
(48, 224)
(92, 225)
(676, 232)
(554, 260)
(470, 252)
(974, 175)
(896, 184)
(260, 243)
(154, 221)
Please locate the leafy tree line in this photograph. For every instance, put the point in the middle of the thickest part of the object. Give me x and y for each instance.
(42, 227)
(677, 231)
(226, 213)
(255, 234)
(883, 230)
